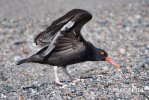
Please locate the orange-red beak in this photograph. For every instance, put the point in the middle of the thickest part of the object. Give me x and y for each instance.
(108, 59)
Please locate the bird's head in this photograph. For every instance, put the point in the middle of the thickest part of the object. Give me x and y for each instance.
(102, 55)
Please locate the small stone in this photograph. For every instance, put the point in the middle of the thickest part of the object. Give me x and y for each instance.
(146, 88)
(138, 17)
(33, 91)
(147, 60)
(0, 30)
(19, 42)
(17, 58)
(2, 96)
(103, 22)
(8, 88)
(2, 76)
(147, 46)
(25, 51)
(109, 81)
(127, 29)
(122, 50)
(92, 95)
(126, 24)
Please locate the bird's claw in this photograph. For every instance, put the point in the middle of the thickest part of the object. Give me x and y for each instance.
(74, 81)
(59, 83)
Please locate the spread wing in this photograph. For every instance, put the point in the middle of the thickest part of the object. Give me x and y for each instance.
(71, 23)
(68, 43)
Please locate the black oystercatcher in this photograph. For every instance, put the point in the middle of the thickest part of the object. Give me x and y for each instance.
(64, 44)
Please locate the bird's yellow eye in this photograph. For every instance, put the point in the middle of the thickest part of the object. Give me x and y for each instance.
(102, 53)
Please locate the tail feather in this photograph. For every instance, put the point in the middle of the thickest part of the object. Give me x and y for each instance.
(22, 61)
(34, 58)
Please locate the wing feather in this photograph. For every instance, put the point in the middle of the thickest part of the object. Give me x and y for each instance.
(64, 33)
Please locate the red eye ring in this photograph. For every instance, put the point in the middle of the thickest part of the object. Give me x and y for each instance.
(102, 53)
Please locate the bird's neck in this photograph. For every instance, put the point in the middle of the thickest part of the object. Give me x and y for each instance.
(91, 52)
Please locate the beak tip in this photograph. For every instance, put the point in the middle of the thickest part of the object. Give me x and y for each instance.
(113, 62)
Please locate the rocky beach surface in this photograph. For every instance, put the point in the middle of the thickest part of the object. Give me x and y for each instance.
(121, 27)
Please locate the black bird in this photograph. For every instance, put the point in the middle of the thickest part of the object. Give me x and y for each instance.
(64, 44)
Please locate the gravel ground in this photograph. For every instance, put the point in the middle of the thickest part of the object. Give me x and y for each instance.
(121, 27)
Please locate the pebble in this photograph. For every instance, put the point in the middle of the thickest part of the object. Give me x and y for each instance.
(0, 29)
(146, 88)
(3, 77)
(33, 91)
(122, 50)
(147, 61)
(147, 46)
(2, 96)
(17, 58)
(8, 88)
(103, 22)
(138, 16)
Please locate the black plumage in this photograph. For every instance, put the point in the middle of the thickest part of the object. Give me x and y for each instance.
(64, 44)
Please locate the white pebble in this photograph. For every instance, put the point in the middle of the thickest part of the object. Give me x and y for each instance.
(146, 88)
(122, 50)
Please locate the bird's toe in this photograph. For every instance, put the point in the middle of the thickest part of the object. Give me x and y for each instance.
(59, 83)
(74, 81)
